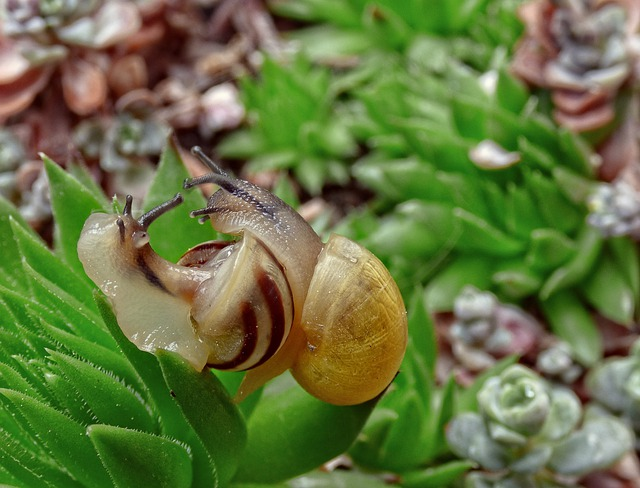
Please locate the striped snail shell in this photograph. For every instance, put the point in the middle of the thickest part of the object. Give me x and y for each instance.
(276, 298)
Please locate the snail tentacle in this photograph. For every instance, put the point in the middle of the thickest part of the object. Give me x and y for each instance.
(146, 219)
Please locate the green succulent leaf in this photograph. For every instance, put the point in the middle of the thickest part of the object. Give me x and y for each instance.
(172, 420)
(208, 409)
(101, 391)
(11, 262)
(290, 432)
(438, 476)
(185, 232)
(588, 249)
(570, 321)
(469, 438)
(600, 442)
(67, 443)
(71, 203)
(135, 458)
(608, 290)
(464, 270)
(50, 266)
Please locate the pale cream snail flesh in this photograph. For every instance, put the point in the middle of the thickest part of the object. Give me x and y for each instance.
(276, 298)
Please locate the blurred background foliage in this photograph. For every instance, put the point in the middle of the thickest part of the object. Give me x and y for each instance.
(485, 150)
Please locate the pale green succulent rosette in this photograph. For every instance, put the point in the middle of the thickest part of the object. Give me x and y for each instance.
(528, 430)
(615, 384)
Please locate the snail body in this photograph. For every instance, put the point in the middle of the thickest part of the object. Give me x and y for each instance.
(275, 299)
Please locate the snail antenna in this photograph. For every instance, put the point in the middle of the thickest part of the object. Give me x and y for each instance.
(146, 219)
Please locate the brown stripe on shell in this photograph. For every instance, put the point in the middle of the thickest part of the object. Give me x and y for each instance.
(273, 298)
(250, 323)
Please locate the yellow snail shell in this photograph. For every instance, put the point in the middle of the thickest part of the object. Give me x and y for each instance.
(275, 299)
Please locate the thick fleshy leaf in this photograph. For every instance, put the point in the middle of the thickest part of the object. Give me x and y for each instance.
(71, 203)
(422, 331)
(135, 458)
(336, 479)
(403, 447)
(548, 249)
(467, 400)
(588, 248)
(608, 290)
(570, 321)
(111, 401)
(175, 232)
(443, 289)
(50, 266)
(67, 442)
(440, 476)
(469, 438)
(290, 432)
(208, 408)
(478, 235)
(171, 418)
(11, 262)
(600, 442)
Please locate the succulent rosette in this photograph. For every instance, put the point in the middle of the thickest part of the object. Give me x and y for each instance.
(529, 431)
(615, 384)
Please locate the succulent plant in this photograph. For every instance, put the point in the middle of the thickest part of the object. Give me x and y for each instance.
(585, 53)
(468, 29)
(615, 384)
(557, 362)
(528, 432)
(615, 209)
(485, 330)
(293, 125)
(40, 36)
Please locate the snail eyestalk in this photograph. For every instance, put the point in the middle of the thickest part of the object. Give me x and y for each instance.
(127, 206)
(146, 219)
(207, 161)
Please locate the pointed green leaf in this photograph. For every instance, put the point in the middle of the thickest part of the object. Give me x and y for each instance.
(440, 476)
(79, 315)
(402, 447)
(109, 399)
(570, 321)
(588, 248)
(548, 249)
(443, 289)
(39, 257)
(71, 203)
(625, 253)
(81, 173)
(67, 442)
(291, 432)
(207, 407)
(609, 292)
(422, 330)
(11, 262)
(171, 418)
(478, 235)
(135, 458)
(175, 232)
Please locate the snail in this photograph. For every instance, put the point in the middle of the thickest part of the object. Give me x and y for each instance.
(276, 298)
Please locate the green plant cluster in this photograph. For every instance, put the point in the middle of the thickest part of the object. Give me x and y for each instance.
(412, 115)
(531, 433)
(474, 185)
